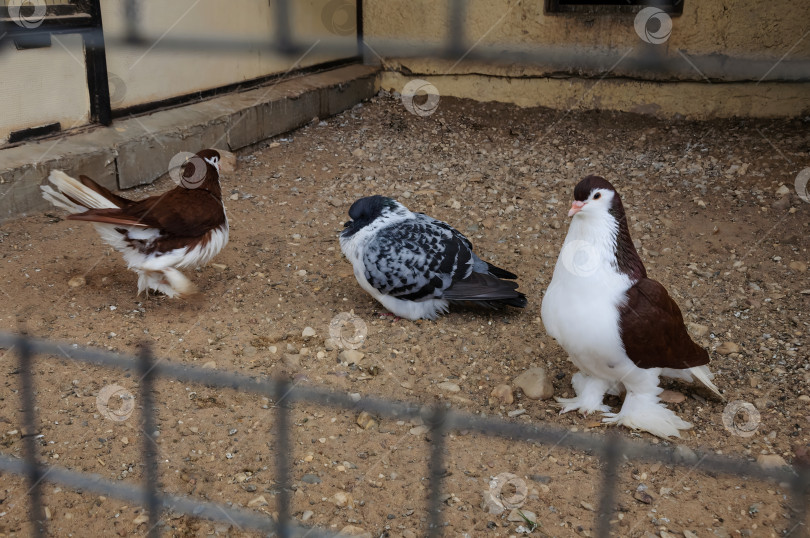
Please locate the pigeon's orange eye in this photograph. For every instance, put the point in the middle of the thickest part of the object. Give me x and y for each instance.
(597, 195)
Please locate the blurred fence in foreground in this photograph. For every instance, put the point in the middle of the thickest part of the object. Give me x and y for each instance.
(612, 449)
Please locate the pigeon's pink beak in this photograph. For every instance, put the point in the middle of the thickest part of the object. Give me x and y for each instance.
(576, 207)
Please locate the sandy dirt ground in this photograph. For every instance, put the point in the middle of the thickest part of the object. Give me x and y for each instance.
(712, 206)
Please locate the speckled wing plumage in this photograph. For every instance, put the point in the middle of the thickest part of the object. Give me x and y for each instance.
(417, 259)
(427, 258)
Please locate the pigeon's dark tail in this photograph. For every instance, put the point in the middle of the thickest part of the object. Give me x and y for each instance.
(518, 302)
(485, 290)
(501, 273)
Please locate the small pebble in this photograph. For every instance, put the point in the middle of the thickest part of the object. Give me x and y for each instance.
(771, 461)
(535, 384)
(258, 501)
(351, 356)
(341, 499)
(502, 394)
(308, 332)
(449, 386)
(727, 348)
(365, 420)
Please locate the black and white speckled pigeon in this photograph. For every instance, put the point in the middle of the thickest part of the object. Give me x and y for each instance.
(416, 265)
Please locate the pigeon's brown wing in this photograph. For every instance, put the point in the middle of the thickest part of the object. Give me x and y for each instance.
(653, 332)
(179, 212)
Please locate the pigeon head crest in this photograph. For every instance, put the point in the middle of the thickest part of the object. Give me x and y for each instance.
(366, 210)
(589, 184)
(595, 196)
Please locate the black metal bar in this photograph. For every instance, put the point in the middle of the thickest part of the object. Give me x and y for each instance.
(29, 436)
(89, 482)
(283, 40)
(800, 493)
(438, 428)
(151, 499)
(607, 497)
(132, 16)
(282, 448)
(359, 28)
(493, 427)
(95, 59)
(558, 61)
(455, 43)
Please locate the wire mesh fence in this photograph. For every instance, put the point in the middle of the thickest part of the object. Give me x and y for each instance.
(611, 449)
(645, 60)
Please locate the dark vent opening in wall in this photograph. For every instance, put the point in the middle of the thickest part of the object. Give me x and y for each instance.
(674, 7)
(33, 132)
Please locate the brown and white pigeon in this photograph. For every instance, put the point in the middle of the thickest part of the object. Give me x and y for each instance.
(621, 329)
(181, 228)
(416, 265)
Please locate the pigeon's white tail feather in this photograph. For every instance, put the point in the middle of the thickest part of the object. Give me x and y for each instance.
(645, 412)
(68, 186)
(705, 376)
(59, 200)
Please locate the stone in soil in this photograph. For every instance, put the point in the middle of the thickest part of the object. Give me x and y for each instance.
(502, 394)
(366, 421)
(535, 384)
(449, 386)
(771, 461)
(258, 501)
(342, 499)
(351, 356)
(727, 348)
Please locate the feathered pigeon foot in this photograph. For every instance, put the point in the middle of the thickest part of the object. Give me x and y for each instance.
(645, 412)
(394, 317)
(590, 393)
(578, 404)
(169, 282)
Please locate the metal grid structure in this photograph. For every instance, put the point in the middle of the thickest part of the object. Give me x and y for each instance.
(645, 61)
(612, 449)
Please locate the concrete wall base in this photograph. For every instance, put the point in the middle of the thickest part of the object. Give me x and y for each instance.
(686, 100)
(137, 150)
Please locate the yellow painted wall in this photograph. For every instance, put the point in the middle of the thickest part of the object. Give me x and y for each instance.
(750, 30)
(47, 85)
(42, 86)
(143, 76)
